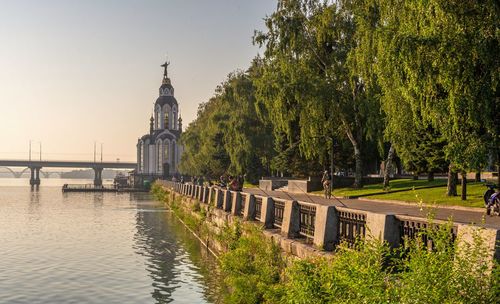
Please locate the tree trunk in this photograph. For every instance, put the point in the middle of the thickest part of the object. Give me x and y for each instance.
(430, 176)
(464, 185)
(388, 166)
(477, 179)
(356, 143)
(498, 174)
(415, 175)
(452, 182)
(358, 175)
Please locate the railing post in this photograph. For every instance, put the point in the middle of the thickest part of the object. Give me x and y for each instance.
(291, 222)
(267, 212)
(249, 210)
(218, 198)
(236, 203)
(203, 194)
(466, 235)
(383, 227)
(227, 201)
(326, 227)
(211, 194)
(199, 196)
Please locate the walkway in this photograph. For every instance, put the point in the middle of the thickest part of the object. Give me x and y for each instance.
(458, 215)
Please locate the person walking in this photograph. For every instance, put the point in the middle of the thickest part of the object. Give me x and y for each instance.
(326, 180)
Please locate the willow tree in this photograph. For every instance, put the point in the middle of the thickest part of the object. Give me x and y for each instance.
(438, 66)
(307, 82)
(228, 137)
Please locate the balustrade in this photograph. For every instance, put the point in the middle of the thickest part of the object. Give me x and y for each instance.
(351, 226)
(307, 218)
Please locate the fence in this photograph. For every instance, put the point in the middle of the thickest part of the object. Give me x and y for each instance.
(351, 226)
(258, 207)
(416, 229)
(327, 226)
(242, 203)
(279, 211)
(307, 219)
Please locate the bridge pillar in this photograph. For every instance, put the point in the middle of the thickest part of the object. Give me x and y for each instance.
(97, 176)
(35, 176)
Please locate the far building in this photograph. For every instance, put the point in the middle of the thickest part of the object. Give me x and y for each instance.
(159, 152)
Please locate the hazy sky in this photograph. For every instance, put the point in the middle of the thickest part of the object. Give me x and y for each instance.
(74, 72)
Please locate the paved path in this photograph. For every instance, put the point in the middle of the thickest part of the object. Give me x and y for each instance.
(458, 215)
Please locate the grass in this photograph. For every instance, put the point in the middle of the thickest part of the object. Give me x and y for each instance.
(429, 195)
(438, 196)
(397, 184)
(249, 185)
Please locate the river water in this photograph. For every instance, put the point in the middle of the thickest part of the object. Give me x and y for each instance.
(96, 248)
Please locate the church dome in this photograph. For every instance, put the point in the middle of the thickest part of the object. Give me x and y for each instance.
(163, 100)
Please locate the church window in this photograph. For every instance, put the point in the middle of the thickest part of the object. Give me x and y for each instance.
(141, 157)
(166, 151)
(174, 122)
(167, 121)
(141, 162)
(159, 155)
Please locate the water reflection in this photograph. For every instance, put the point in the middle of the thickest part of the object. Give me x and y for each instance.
(173, 260)
(97, 248)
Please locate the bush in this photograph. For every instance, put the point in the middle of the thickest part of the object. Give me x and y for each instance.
(251, 268)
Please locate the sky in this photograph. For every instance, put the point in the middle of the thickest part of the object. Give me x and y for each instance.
(74, 73)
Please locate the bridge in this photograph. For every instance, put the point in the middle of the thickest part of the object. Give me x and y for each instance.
(35, 167)
(19, 174)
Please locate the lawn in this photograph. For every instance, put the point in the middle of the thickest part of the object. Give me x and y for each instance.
(438, 196)
(429, 195)
(249, 185)
(397, 184)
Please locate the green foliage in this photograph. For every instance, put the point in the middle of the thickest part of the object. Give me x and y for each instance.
(437, 65)
(252, 267)
(312, 91)
(228, 136)
(373, 273)
(352, 276)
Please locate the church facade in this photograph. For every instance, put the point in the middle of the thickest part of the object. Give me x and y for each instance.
(159, 151)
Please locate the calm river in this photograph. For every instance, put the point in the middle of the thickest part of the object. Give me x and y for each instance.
(96, 248)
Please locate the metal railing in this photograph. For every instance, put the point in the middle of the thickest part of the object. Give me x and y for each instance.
(307, 218)
(415, 229)
(242, 203)
(351, 226)
(258, 207)
(211, 195)
(279, 210)
(88, 187)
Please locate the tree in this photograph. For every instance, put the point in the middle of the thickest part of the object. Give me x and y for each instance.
(437, 64)
(307, 83)
(228, 136)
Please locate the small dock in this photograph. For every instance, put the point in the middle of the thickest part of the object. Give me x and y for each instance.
(94, 188)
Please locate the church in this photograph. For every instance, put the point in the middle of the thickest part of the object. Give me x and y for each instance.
(159, 152)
